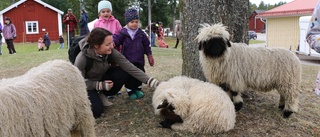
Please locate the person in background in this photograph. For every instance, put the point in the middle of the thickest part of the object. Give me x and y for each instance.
(84, 29)
(0, 39)
(161, 42)
(40, 44)
(46, 40)
(9, 34)
(70, 20)
(135, 45)
(154, 31)
(178, 31)
(61, 42)
(102, 78)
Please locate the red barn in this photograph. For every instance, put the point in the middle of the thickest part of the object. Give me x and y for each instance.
(32, 18)
(255, 23)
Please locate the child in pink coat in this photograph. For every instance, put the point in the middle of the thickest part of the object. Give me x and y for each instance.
(106, 20)
(40, 44)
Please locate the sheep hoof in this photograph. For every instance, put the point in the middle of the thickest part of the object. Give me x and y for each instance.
(281, 107)
(287, 113)
(238, 106)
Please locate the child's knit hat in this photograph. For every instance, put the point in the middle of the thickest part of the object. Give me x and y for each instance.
(104, 4)
(131, 14)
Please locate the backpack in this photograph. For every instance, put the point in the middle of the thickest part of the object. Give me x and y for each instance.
(74, 50)
(317, 89)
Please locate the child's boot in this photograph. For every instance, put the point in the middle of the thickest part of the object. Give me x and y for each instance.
(132, 94)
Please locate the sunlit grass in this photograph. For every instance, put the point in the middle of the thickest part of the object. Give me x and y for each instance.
(256, 41)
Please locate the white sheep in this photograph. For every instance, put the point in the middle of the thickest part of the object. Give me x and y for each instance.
(192, 105)
(239, 68)
(48, 100)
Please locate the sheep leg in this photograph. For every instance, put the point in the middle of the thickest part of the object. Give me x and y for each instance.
(237, 100)
(288, 101)
(234, 96)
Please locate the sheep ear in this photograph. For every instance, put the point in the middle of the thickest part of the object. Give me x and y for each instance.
(163, 104)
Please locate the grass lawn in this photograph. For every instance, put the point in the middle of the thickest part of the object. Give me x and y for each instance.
(259, 116)
(256, 41)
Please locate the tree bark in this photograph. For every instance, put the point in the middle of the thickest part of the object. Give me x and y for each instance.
(231, 13)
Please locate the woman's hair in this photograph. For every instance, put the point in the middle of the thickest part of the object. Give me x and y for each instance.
(97, 36)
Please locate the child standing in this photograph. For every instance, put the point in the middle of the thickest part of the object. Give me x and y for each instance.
(61, 41)
(40, 44)
(135, 44)
(106, 20)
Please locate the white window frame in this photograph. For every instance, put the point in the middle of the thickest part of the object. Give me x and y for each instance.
(37, 27)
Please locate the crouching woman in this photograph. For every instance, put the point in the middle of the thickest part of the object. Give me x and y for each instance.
(96, 48)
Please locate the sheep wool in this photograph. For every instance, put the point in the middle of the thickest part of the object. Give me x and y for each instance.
(48, 100)
(237, 67)
(203, 107)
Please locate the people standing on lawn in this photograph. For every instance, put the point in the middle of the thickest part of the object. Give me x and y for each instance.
(84, 29)
(178, 31)
(9, 34)
(0, 39)
(70, 20)
(161, 42)
(61, 42)
(98, 46)
(154, 31)
(40, 44)
(135, 45)
(46, 40)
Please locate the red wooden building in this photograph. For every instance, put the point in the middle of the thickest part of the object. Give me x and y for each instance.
(32, 18)
(256, 23)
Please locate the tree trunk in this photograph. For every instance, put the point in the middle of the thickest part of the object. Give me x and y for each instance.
(231, 13)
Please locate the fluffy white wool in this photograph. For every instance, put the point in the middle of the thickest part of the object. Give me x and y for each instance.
(49, 100)
(203, 107)
(245, 68)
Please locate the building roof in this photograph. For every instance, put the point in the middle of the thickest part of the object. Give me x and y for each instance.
(22, 1)
(259, 11)
(294, 8)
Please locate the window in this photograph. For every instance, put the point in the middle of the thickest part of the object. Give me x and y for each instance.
(32, 27)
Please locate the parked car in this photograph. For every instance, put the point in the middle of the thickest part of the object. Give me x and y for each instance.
(252, 35)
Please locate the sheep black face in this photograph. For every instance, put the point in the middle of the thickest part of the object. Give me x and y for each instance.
(169, 116)
(215, 47)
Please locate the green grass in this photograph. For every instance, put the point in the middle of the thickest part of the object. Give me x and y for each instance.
(256, 41)
(259, 116)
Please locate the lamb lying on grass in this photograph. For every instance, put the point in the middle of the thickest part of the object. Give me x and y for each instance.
(49, 100)
(192, 105)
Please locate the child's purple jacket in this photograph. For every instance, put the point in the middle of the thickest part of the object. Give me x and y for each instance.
(133, 49)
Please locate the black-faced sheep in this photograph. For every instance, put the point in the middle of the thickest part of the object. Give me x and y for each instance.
(239, 68)
(192, 105)
(48, 100)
